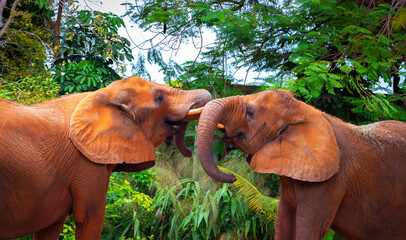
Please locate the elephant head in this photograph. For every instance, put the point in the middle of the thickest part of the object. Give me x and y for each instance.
(280, 134)
(124, 122)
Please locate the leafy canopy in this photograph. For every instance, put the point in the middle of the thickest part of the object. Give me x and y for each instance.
(343, 57)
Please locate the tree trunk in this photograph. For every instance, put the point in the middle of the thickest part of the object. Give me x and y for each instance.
(12, 13)
(56, 26)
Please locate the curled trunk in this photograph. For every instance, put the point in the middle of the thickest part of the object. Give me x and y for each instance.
(180, 140)
(212, 114)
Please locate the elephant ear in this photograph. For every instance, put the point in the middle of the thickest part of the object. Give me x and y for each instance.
(104, 129)
(305, 151)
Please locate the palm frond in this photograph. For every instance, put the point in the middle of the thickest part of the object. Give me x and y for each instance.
(260, 203)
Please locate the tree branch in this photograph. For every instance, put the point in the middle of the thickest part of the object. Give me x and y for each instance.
(12, 13)
(56, 26)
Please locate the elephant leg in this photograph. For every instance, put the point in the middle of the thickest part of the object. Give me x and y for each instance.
(315, 213)
(307, 209)
(91, 225)
(312, 225)
(52, 232)
(88, 214)
(285, 221)
(89, 201)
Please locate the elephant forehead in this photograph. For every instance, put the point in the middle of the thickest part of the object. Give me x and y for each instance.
(125, 96)
(141, 84)
(143, 93)
(261, 99)
(272, 97)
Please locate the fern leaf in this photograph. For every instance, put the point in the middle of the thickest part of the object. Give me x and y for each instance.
(262, 204)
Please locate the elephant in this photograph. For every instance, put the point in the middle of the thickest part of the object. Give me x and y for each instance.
(333, 174)
(56, 157)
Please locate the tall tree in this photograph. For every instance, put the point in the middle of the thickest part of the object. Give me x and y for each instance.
(56, 25)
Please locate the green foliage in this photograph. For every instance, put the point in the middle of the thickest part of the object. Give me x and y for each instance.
(187, 212)
(259, 203)
(68, 231)
(193, 200)
(316, 49)
(89, 55)
(29, 90)
(83, 76)
(90, 51)
(354, 58)
(129, 213)
(24, 46)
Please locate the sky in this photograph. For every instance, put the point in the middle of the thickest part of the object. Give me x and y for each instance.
(188, 52)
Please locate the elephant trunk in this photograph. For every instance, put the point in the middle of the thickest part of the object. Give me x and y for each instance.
(180, 140)
(198, 98)
(212, 114)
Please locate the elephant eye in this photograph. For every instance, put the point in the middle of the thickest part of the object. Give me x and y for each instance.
(250, 112)
(126, 110)
(159, 98)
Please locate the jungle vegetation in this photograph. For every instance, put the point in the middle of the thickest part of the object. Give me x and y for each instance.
(345, 57)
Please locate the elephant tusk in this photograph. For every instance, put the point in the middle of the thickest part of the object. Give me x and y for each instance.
(194, 112)
(198, 111)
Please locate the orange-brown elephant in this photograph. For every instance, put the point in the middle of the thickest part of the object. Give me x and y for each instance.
(333, 174)
(56, 157)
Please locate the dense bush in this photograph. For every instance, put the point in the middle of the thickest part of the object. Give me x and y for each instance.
(24, 47)
(30, 90)
(187, 204)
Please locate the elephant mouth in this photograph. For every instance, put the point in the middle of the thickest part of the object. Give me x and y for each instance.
(174, 123)
(248, 159)
(173, 126)
(178, 129)
(192, 115)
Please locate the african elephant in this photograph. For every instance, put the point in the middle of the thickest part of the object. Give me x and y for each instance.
(333, 174)
(56, 157)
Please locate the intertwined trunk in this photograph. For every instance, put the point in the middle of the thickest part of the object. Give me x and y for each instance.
(212, 114)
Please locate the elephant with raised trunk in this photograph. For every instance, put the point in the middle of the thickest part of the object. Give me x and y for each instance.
(56, 157)
(333, 174)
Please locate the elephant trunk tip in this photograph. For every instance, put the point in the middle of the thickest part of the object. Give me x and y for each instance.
(230, 178)
(220, 176)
